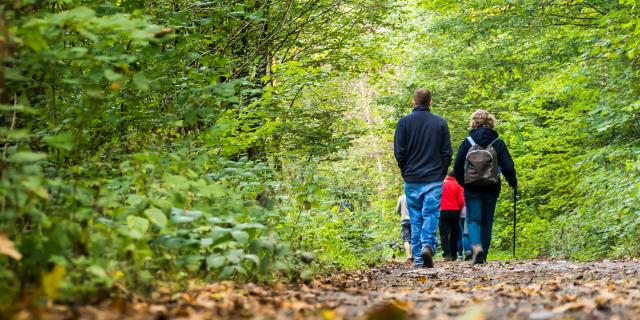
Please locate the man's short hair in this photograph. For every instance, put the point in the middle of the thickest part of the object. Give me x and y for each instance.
(422, 97)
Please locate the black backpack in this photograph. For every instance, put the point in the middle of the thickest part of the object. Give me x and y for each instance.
(481, 165)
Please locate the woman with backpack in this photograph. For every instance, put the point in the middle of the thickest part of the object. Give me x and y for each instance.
(480, 159)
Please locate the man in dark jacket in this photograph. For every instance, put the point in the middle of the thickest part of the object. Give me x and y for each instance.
(422, 147)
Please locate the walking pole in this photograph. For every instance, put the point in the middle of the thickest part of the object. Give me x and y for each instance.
(515, 197)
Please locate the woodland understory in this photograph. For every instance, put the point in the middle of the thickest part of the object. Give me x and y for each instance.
(156, 147)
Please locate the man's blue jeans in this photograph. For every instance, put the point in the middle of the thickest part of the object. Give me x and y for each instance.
(480, 211)
(423, 202)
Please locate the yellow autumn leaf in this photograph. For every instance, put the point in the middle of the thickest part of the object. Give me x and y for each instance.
(328, 314)
(52, 280)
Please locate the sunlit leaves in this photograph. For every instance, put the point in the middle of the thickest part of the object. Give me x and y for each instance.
(63, 141)
(141, 81)
(156, 216)
(216, 261)
(561, 76)
(127, 113)
(240, 236)
(26, 156)
(136, 227)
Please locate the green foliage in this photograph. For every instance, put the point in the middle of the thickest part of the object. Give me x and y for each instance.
(155, 140)
(563, 83)
(147, 141)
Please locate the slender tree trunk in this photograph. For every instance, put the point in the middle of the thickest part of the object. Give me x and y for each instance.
(258, 149)
(366, 96)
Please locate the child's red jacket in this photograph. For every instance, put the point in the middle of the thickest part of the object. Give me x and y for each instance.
(452, 195)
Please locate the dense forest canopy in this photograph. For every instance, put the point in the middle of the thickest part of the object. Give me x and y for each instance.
(166, 140)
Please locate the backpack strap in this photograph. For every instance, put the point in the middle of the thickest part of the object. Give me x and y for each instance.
(491, 141)
(473, 143)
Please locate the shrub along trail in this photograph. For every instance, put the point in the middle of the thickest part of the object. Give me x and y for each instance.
(529, 289)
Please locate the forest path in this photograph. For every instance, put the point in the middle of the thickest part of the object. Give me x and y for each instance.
(521, 289)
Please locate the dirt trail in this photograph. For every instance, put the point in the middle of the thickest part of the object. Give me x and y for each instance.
(498, 290)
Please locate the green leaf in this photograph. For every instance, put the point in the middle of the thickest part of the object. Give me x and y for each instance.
(35, 186)
(137, 226)
(162, 204)
(35, 40)
(135, 199)
(193, 213)
(253, 257)
(18, 108)
(216, 261)
(15, 133)
(249, 226)
(178, 219)
(178, 183)
(215, 220)
(26, 156)
(63, 141)
(97, 271)
(240, 269)
(184, 216)
(240, 236)
(215, 190)
(226, 272)
(206, 242)
(219, 234)
(234, 256)
(175, 243)
(78, 52)
(141, 82)
(267, 244)
(157, 217)
(111, 75)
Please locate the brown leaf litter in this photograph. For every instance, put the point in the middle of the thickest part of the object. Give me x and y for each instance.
(522, 289)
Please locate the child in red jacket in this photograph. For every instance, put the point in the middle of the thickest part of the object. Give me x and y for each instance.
(450, 206)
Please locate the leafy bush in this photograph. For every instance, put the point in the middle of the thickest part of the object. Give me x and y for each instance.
(152, 141)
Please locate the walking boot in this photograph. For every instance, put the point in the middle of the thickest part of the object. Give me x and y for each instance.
(427, 256)
(468, 255)
(478, 254)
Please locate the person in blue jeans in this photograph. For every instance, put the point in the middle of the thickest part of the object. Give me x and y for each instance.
(464, 245)
(422, 148)
(481, 200)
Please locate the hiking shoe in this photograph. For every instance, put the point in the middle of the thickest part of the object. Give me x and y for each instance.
(478, 254)
(427, 256)
(468, 255)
